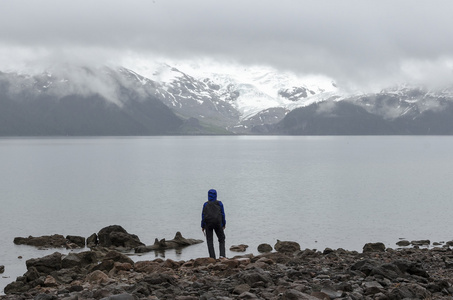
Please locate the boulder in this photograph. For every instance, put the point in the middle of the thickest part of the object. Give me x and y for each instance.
(32, 274)
(97, 277)
(366, 266)
(203, 261)
(372, 287)
(117, 236)
(46, 264)
(239, 289)
(403, 243)
(47, 241)
(253, 276)
(92, 240)
(107, 262)
(67, 276)
(264, 248)
(77, 240)
(374, 247)
(16, 287)
(331, 292)
(177, 242)
(118, 257)
(50, 281)
(52, 241)
(81, 259)
(2, 269)
(286, 246)
(239, 248)
(327, 251)
(411, 268)
(421, 243)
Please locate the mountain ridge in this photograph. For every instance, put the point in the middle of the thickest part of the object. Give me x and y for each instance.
(120, 101)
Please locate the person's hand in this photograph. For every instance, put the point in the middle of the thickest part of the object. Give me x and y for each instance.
(202, 229)
(224, 227)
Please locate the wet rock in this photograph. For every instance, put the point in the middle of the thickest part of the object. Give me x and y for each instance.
(2, 269)
(81, 259)
(77, 240)
(239, 248)
(46, 264)
(403, 243)
(374, 247)
(92, 241)
(327, 251)
(118, 257)
(32, 274)
(16, 287)
(177, 242)
(117, 236)
(47, 241)
(409, 273)
(66, 276)
(421, 243)
(286, 246)
(263, 248)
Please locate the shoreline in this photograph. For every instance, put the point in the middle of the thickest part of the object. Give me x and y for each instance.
(111, 262)
(286, 273)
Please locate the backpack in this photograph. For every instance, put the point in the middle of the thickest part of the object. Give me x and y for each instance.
(212, 213)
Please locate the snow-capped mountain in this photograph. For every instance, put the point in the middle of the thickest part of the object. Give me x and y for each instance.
(399, 111)
(210, 99)
(233, 97)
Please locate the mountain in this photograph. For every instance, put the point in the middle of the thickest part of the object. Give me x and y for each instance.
(235, 98)
(162, 99)
(402, 111)
(261, 100)
(81, 101)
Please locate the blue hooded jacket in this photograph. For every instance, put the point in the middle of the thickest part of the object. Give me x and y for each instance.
(212, 196)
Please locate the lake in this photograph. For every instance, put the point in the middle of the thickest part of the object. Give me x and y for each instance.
(337, 192)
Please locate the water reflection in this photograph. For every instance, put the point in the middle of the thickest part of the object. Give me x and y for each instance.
(177, 251)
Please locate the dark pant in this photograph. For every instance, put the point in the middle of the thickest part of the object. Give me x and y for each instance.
(210, 236)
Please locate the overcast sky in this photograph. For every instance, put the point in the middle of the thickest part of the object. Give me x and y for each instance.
(357, 41)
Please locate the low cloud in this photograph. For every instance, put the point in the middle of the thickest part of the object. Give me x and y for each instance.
(357, 43)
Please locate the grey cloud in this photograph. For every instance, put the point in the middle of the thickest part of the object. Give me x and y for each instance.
(363, 41)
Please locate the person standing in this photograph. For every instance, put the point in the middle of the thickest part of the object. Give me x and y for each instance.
(213, 220)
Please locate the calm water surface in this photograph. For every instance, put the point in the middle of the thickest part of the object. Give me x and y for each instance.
(337, 192)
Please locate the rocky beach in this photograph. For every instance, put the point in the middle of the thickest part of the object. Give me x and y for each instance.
(282, 271)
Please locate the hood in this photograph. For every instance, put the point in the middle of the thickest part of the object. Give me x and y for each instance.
(212, 195)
